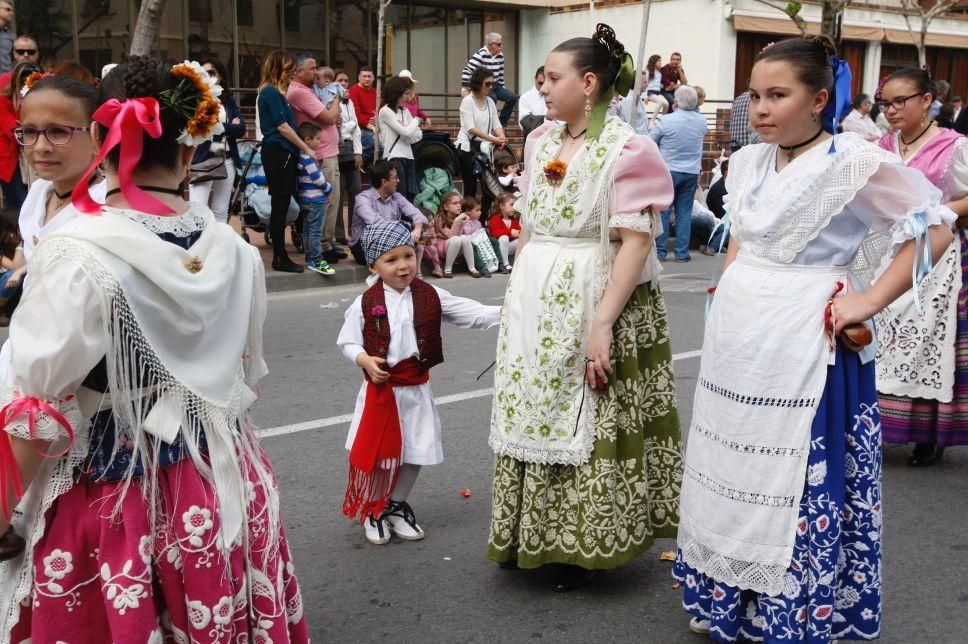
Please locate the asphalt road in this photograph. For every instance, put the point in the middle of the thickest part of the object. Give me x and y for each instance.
(443, 589)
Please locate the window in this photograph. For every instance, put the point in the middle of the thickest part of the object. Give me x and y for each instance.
(244, 9)
(200, 11)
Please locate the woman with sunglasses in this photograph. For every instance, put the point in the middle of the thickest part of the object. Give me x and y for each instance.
(922, 366)
(478, 124)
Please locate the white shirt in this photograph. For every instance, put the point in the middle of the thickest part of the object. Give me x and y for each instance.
(419, 421)
(398, 130)
(655, 83)
(32, 226)
(531, 103)
(474, 116)
(861, 124)
(350, 129)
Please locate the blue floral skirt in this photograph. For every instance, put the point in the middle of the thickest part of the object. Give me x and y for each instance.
(833, 585)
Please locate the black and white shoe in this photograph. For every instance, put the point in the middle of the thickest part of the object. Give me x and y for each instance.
(376, 531)
(403, 523)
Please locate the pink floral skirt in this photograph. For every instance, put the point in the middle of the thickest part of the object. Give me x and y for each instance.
(103, 580)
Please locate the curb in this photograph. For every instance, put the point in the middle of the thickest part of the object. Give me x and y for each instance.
(347, 272)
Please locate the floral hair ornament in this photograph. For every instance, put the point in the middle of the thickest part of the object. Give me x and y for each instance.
(31, 81)
(126, 121)
(194, 98)
(624, 77)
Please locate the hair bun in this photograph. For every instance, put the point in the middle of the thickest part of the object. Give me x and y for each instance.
(605, 36)
(141, 77)
(824, 42)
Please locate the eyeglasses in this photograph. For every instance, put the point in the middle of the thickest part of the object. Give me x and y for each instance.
(25, 52)
(56, 134)
(896, 103)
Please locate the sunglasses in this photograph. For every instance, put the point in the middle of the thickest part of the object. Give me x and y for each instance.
(25, 52)
(490, 84)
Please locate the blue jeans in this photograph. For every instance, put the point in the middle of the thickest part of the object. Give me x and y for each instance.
(314, 216)
(719, 238)
(685, 187)
(366, 138)
(502, 93)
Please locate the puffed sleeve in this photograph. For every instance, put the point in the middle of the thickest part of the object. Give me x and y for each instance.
(899, 201)
(57, 337)
(642, 188)
(959, 175)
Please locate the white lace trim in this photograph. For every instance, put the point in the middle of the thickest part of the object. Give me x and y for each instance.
(916, 353)
(183, 225)
(636, 221)
(745, 575)
(901, 231)
(45, 427)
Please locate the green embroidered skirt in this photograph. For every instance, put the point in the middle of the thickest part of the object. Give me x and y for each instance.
(608, 511)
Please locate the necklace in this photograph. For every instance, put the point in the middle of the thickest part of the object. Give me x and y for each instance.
(906, 145)
(575, 137)
(791, 150)
(168, 191)
(62, 197)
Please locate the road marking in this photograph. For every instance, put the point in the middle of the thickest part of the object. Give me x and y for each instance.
(443, 400)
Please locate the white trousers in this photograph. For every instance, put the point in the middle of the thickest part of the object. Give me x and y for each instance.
(215, 194)
(455, 245)
(508, 247)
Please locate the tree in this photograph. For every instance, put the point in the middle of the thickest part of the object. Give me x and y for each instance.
(917, 8)
(381, 22)
(43, 20)
(146, 28)
(830, 11)
(791, 9)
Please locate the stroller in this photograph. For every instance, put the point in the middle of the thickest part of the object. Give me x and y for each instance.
(490, 185)
(250, 198)
(437, 165)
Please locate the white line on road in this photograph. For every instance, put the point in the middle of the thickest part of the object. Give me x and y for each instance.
(443, 400)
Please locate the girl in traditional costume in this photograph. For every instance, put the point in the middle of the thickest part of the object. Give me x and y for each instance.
(392, 332)
(780, 520)
(149, 510)
(922, 365)
(584, 422)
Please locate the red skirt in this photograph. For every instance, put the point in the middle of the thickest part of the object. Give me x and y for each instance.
(98, 579)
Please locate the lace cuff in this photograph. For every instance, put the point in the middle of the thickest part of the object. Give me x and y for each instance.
(640, 222)
(907, 227)
(37, 419)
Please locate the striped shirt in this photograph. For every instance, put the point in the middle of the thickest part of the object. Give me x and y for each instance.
(313, 187)
(484, 58)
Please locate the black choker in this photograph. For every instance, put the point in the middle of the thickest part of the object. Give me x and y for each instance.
(905, 145)
(62, 197)
(178, 192)
(791, 150)
(576, 136)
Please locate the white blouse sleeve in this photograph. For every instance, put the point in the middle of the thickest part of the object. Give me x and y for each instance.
(467, 313)
(896, 199)
(57, 337)
(254, 361)
(959, 171)
(350, 340)
(408, 132)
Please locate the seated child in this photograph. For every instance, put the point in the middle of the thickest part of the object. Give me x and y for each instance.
(505, 228)
(508, 175)
(313, 201)
(426, 247)
(449, 231)
(473, 228)
(392, 332)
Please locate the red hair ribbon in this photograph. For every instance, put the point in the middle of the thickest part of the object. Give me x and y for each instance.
(126, 122)
(9, 469)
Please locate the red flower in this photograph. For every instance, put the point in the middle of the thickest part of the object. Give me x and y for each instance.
(378, 310)
(822, 612)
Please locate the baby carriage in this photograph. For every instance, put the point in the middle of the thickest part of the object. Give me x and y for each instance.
(251, 200)
(437, 165)
(490, 186)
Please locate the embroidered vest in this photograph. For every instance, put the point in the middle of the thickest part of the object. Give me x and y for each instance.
(426, 323)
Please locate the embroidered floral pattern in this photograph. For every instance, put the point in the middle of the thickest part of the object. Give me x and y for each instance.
(611, 509)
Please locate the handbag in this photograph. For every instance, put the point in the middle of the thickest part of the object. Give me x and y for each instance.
(210, 169)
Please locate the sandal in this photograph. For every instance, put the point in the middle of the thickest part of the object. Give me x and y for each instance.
(475, 274)
(437, 272)
(448, 275)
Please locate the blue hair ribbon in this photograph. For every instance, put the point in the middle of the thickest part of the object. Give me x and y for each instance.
(839, 103)
(917, 225)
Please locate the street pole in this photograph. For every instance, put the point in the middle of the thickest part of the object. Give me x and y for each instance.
(639, 63)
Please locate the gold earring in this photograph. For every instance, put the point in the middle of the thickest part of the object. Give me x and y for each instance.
(588, 107)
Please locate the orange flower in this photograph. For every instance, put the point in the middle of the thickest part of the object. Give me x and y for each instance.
(554, 171)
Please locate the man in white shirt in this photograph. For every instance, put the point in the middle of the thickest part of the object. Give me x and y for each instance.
(859, 120)
(531, 106)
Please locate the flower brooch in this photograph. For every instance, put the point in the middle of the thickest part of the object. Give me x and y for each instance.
(554, 171)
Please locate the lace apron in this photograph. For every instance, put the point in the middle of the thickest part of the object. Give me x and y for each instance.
(763, 370)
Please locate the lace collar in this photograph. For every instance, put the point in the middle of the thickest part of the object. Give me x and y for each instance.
(191, 221)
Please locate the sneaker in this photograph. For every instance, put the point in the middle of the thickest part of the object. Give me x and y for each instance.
(322, 267)
(485, 272)
(505, 270)
(376, 531)
(682, 260)
(706, 250)
(700, 625)
(403, 522)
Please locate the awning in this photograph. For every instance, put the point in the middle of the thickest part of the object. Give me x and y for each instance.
(849, 32)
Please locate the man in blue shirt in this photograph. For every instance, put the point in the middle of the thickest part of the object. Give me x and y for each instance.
(679, 136)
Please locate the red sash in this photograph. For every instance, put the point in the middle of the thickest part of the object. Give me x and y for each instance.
(378, 446)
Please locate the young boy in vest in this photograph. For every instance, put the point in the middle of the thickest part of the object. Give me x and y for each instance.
(392, 332)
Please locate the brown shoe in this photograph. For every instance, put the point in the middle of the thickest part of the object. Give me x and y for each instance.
(11, 545)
